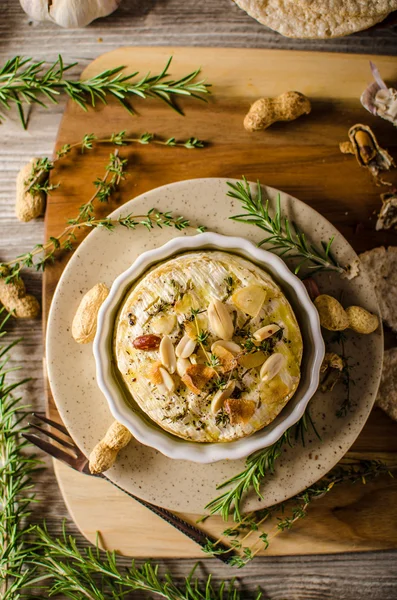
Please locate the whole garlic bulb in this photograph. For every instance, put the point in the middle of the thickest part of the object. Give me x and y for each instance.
(69, 13)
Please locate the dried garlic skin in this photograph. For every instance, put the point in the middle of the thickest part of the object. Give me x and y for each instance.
(85, 320)
(369, 154)
(331, 368)
(266, 111)
(332, 314)
(387, 218)
(361, 321)
(379, 99)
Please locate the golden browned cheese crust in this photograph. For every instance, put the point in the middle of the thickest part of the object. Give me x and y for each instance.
(211, 321)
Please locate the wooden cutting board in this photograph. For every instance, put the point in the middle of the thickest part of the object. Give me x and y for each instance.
(302, 158)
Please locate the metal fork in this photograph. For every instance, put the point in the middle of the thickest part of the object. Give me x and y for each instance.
(72, 456)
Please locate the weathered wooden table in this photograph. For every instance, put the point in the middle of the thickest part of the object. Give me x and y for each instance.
(161, 22)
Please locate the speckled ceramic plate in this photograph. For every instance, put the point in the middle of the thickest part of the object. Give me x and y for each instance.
(181, 485)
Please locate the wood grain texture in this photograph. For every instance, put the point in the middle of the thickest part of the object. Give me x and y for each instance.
(302, 158)
(368, 576)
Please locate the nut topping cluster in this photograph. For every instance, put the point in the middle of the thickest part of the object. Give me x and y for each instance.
(214, 371)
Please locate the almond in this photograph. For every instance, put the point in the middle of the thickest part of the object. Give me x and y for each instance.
(221, 395)
(249, 299)
(182, 365)
(239, 411)
(185, 347)
(272, 366)
(167, 354)
(168, 381)
(147, 342)
(220, 320)
(265, 332)
(228, 345)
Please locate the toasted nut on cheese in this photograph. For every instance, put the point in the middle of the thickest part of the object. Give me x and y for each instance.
(265, 332)
(272, 366)
(167, 354)
(221, 395)
(185, 347)
(168, 381)
(182, 364)
(220, 320)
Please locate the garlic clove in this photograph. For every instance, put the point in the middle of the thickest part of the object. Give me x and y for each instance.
(36, 9)
(73, 14)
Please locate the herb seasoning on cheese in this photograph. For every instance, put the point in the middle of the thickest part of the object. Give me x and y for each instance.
(208, 346)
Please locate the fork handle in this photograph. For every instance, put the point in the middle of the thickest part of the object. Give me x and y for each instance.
(192, 532)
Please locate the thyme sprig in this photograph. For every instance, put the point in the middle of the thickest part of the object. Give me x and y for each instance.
(289, 513)
(25, 81)
(284, 237)
(38, 178)
(348, 382)
(44, 254)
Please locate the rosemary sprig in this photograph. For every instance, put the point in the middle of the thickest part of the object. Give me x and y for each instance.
(284, 238)
(30, 557)
(24, 81)
(257, 466)
(95, 575)
(16, 471)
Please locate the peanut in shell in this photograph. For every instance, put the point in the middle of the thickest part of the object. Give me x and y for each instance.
(332, 314)
(360, 320)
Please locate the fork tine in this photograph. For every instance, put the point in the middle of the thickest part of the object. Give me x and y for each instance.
(51, 435)
(50, 449)
(54, 424)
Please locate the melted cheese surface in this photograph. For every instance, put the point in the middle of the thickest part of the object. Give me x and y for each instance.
(172, 293)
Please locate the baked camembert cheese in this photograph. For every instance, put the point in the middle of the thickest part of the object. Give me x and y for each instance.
(208, 346)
